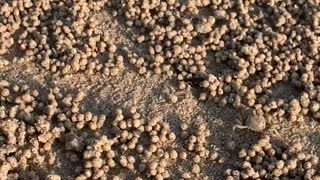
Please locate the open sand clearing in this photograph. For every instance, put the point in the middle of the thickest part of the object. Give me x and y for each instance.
(159, 89)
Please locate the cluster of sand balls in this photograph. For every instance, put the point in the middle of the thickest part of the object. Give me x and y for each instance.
(26, 131)
(62, 36)
(265, 160)
(196, 138)
(121, 144)
(31, 127)
(145, 147)
(259, 43)
(195, 143)
(35, 128)
(136, 145)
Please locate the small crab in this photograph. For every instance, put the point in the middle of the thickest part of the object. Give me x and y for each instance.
(250, 120)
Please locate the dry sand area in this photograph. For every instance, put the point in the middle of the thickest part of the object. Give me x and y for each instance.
(159, 89)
